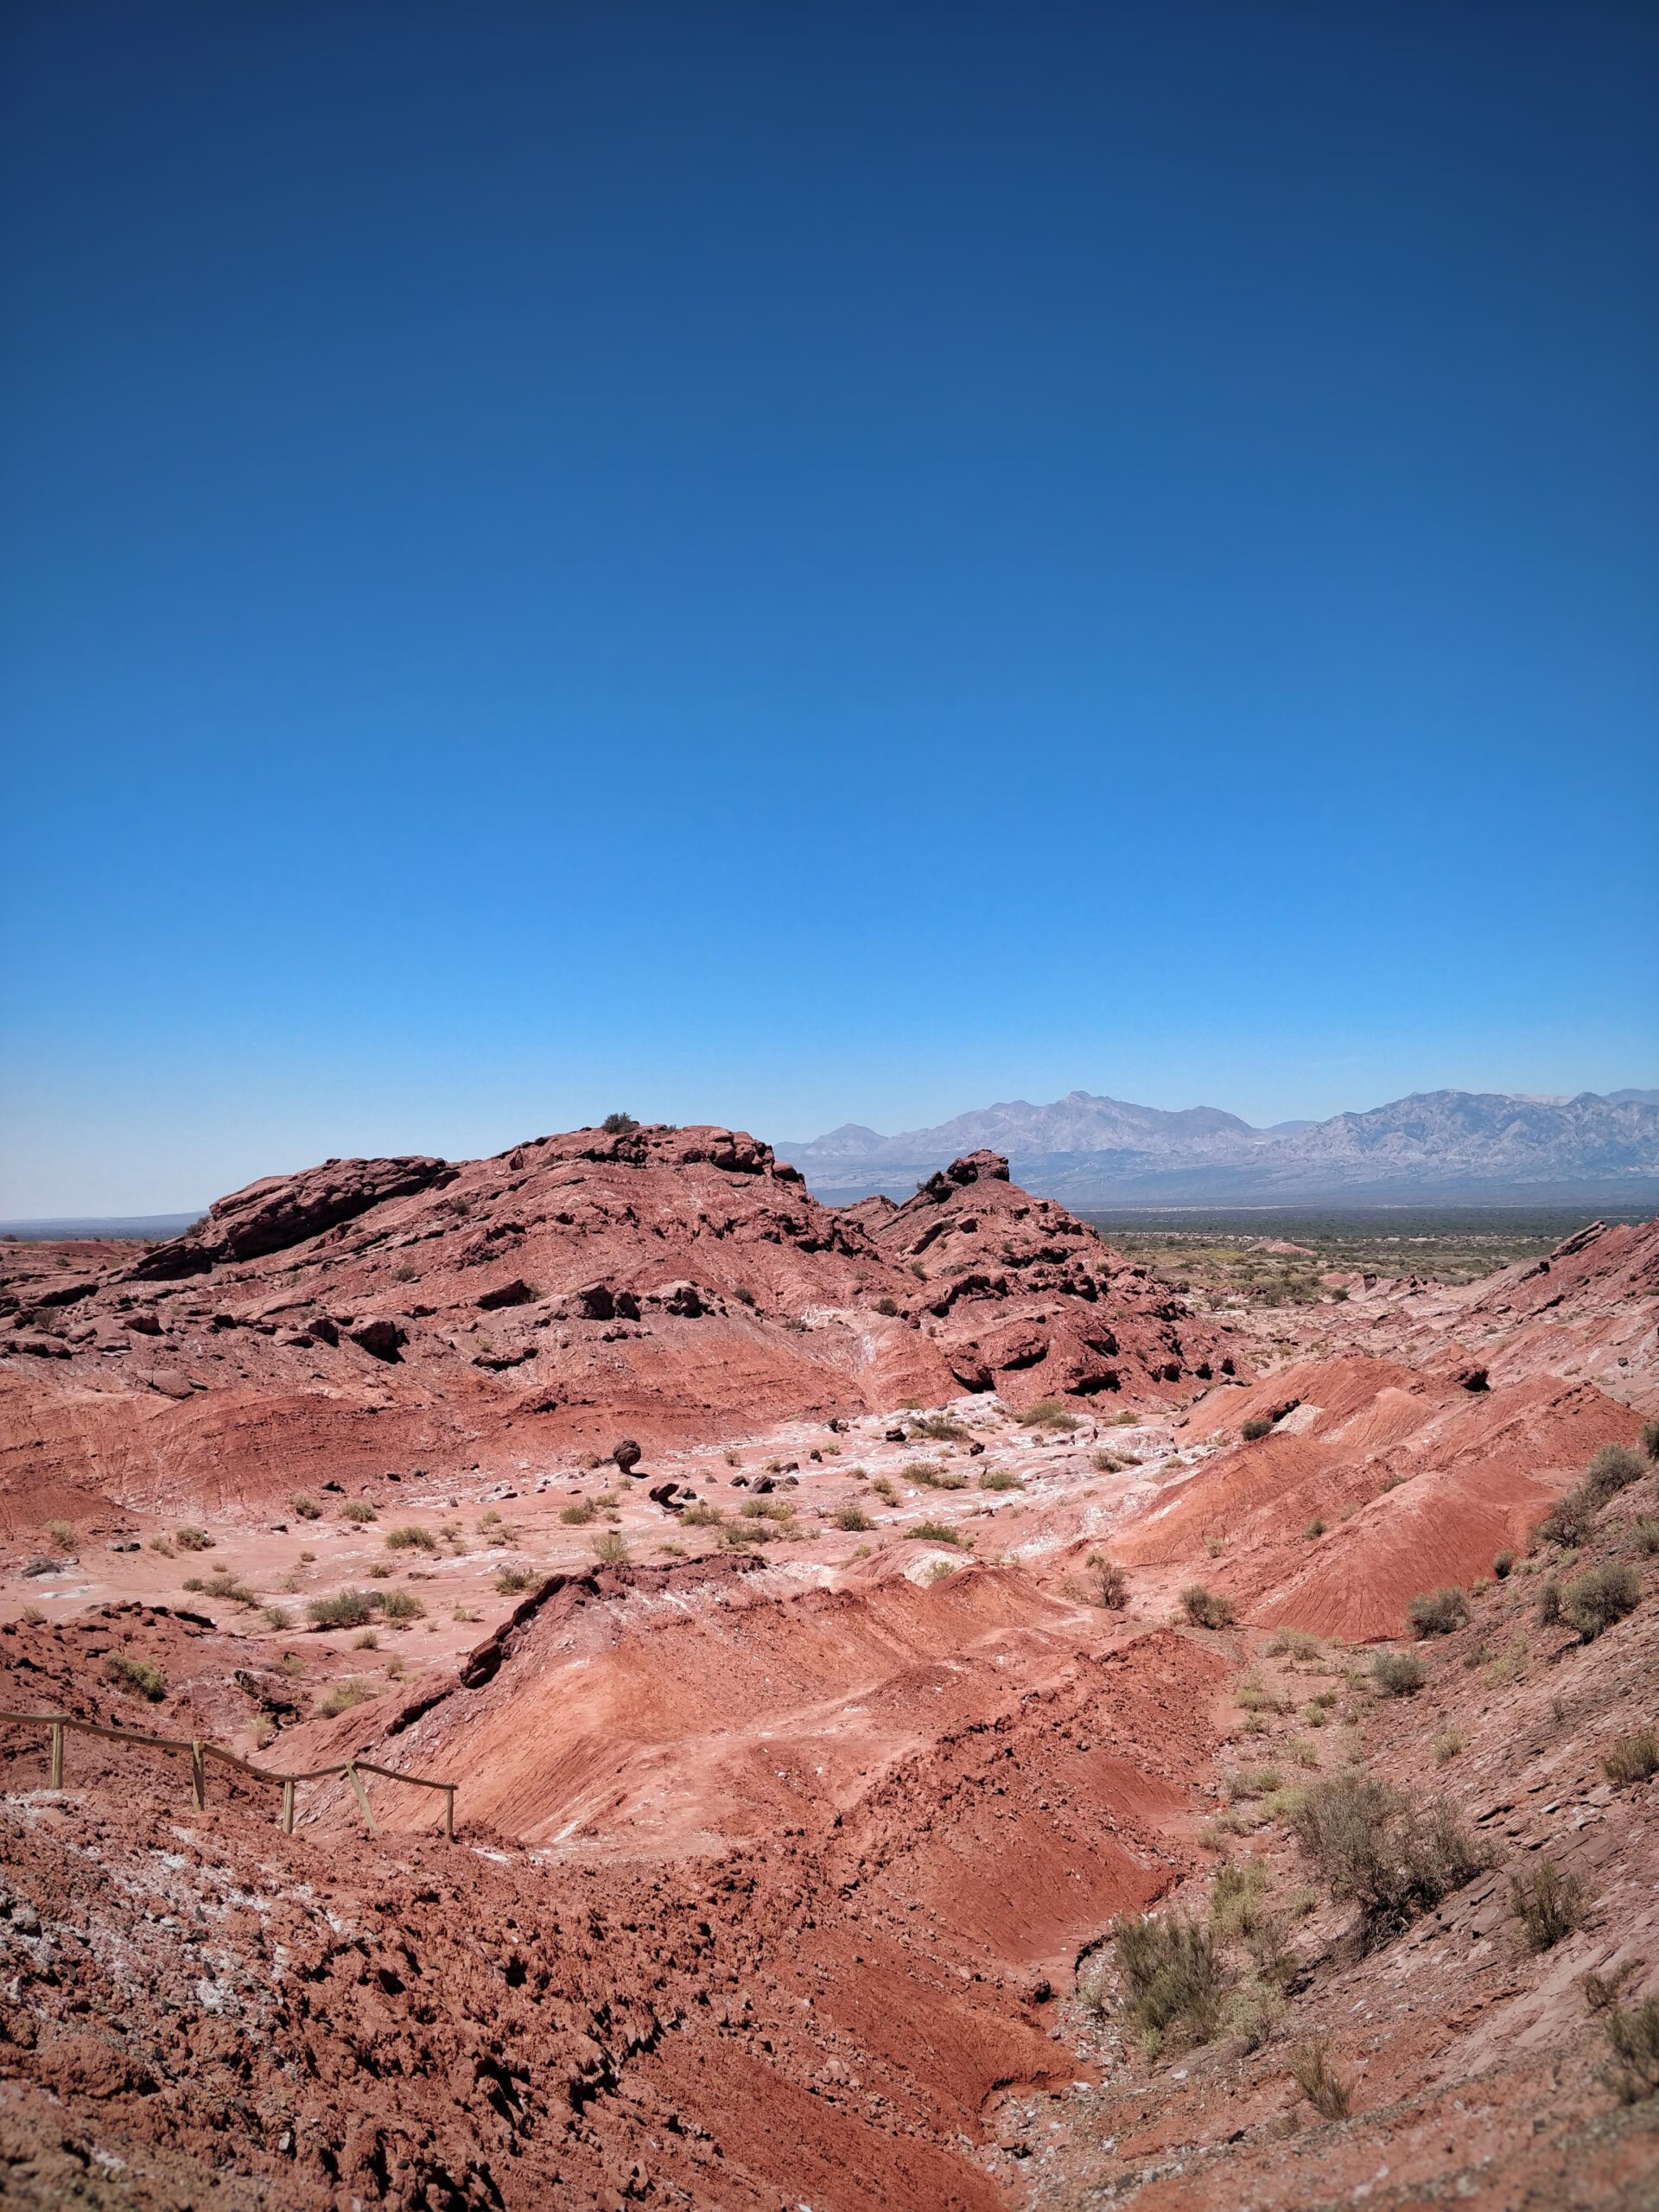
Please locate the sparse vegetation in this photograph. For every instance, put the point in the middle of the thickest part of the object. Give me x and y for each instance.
(1398, 1674)
(224, 1586)
(1447, 1745)
(1254, 1430)
(1592, 1601)
(609, 1549)
(344, 1695)
(851, 1516)
(1000, 1478)
(579, 1515)
(192, 1539)
(1548, 1902)
(1048, 1414)
(619, 1125)
(1314, 1529)
(1632, 2034)
(1379, 1850)
(935, 1532)
(358, 1509)
(303, 1508)
(703, 1514)
(513, 1581)
(933, 1478)
(400, 1607)
(1632, 1758)
(136, 1677)
(940, 1427)
(1645, 1535)
(275, 1616)
(1109, 1586)
(409, 1538)
(1236, 1896)
(1173, 1978)
(1207, 1608)
(884, 1489)
(1320, 2082)
(345, 1609)
(1438, 1612)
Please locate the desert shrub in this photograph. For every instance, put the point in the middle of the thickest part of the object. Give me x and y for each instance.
(512, 1581)
(225, 1586)
(1595, 1600)
(764, 1509)
(465, 1613)
(1650, 1439)
(1634, 1758)
(488, 1519)
(1107, 1584)
(402, 1605)
(358, 1509)
(743, 1294)
(1398, 1674)
(941, 1426)
(1109, 1463)
(884, 1488)
(345, 1609)
(136, 1677)
(159, 1544)
(1447, 1745)
(1207, 1608)
(344, 1695)
(1571, 1520)
(1376, 1849)
(934, 1532)
(1613, 1468)
(609, 1549)
(1645, 1534)
(619, 1125)
(1254, 1431)
(275, 1616)
(1314, 1530)
(703, 1514)
(379, 1571)
(578, 1515)
(303, 1508)
(932, 1478)
(1000, 1478)
(1548, 1904)
(1295, 1643)
(1253, 1782)
(409, 1538)
(1549, 1602)
(887, 1307)
(1049, 1414)
(1173, 1978)
(1320, 2082)
(1503, 1566)
(1236, 1898)
(367, 1640)
(192, 1539)
(1632, 2035)
(851, 1516)
(1438, 1612)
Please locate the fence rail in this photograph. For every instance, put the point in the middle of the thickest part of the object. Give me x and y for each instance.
(58, 1724)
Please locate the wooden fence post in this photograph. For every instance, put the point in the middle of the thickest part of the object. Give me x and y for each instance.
(198, 1777)
(55, 1779)
(356, 1781)
(288, 1806)
(449, 1813)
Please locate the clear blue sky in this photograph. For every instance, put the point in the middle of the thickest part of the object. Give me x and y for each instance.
(791, 563)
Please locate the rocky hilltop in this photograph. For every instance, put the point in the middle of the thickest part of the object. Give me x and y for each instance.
(670, 1281)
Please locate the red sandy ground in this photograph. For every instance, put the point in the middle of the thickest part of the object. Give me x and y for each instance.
(776, 1858)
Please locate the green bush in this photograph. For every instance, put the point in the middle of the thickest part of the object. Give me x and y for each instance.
(1320, 2082)
(1503, 1566)
(1109, 1586)
(1207, 1608)
(934, 1532)
(1613, 1468)
(1592, 1601)
(1236, 1898)
(345, 1609)
(304, 1508)
(192, 1539)
(399, 1606)
(344, 1695)
(1549, 1602)
(852, 1516)
(358, 1509)
(409, 1538)
(1000, 1478)
(932, 1478)
(1438, 1612)
(1254, 1431)
(1650, 1439)
(1175, 1980)
(940, 1427)
(1399, 1673)
(1645, 1534)
(512, 1581)
(579, 1515)
(138, 1677)
(1633, 2037)
(609, 1549)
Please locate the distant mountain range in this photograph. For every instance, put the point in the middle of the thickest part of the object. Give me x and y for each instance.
(1439, 1144)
